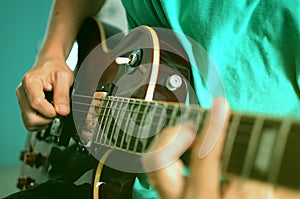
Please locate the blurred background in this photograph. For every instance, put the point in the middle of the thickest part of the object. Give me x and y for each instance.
(22, 29)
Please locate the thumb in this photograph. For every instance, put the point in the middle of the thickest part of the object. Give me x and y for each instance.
(61, 98)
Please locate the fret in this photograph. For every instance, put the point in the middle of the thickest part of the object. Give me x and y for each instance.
(252, 146)
(160, 125)
(126, 117)
(279, 148)
(142, 127)
(119, 120)
(230, 138)
(155, 119)
(185, 116)
(166, 112)
(173, 115)
(105, 116)
(264, 150)
(101, 122)
(108, 124)
(203, 115)
(115, 131)
(289, 175)
(147, 127)
(197, 115)
(241, 144)
(132, 124)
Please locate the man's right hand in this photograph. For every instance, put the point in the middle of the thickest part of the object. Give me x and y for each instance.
(48, 74)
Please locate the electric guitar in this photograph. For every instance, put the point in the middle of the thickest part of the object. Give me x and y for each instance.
(126, 91)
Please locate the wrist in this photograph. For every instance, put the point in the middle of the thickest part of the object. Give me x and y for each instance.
(49, 61)
(52, 50)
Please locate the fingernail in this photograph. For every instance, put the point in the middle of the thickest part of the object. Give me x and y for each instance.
(63, 108)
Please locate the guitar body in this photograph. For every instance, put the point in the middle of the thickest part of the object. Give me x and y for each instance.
(145, 77)
(64, 152)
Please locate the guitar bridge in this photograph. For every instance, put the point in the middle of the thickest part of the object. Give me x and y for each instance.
(55, 133)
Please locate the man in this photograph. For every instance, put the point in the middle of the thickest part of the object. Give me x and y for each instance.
(255, 46)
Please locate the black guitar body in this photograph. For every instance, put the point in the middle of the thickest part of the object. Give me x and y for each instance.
(62, 152)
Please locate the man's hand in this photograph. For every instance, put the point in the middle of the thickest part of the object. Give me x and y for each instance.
(49, 74)
(166, 170)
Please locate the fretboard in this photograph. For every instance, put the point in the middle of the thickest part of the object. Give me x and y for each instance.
(263, 148)
(131, 124)
(257, 147)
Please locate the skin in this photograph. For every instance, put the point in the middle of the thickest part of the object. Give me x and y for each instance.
(50, 71)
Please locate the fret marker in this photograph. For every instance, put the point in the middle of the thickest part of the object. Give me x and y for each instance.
(264, 150)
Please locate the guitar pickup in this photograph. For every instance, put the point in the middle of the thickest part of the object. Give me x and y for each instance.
(55, 129)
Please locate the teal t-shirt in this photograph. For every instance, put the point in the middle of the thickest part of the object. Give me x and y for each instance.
(255, 46)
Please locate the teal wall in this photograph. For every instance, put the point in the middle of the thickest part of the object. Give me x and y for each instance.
(22, 28)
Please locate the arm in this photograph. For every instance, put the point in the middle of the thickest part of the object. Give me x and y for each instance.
(50, 71)
(65, 20)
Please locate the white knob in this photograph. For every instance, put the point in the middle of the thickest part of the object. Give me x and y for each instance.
(173, 82)
(122, 60)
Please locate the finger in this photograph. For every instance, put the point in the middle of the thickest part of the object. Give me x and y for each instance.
(62, 83)
(205, 162)
(168, 146)
(168, 181)
(240, 188)
(37, 128)
(32, 120)
(287, 193)
(34, 89)
(165, 170)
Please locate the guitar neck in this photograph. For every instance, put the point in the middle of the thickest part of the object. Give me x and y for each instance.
(263, 148)
(131, 124)
(257, 147)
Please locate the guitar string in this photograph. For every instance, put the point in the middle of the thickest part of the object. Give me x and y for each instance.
(172, 120)
(169, 106)
(110, 114)
(131, 101)
(137, 102)
(196, 111)
(127, 112)
(239, 139)
(169, 119)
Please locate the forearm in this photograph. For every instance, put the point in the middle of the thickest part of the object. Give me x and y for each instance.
(64, 23)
